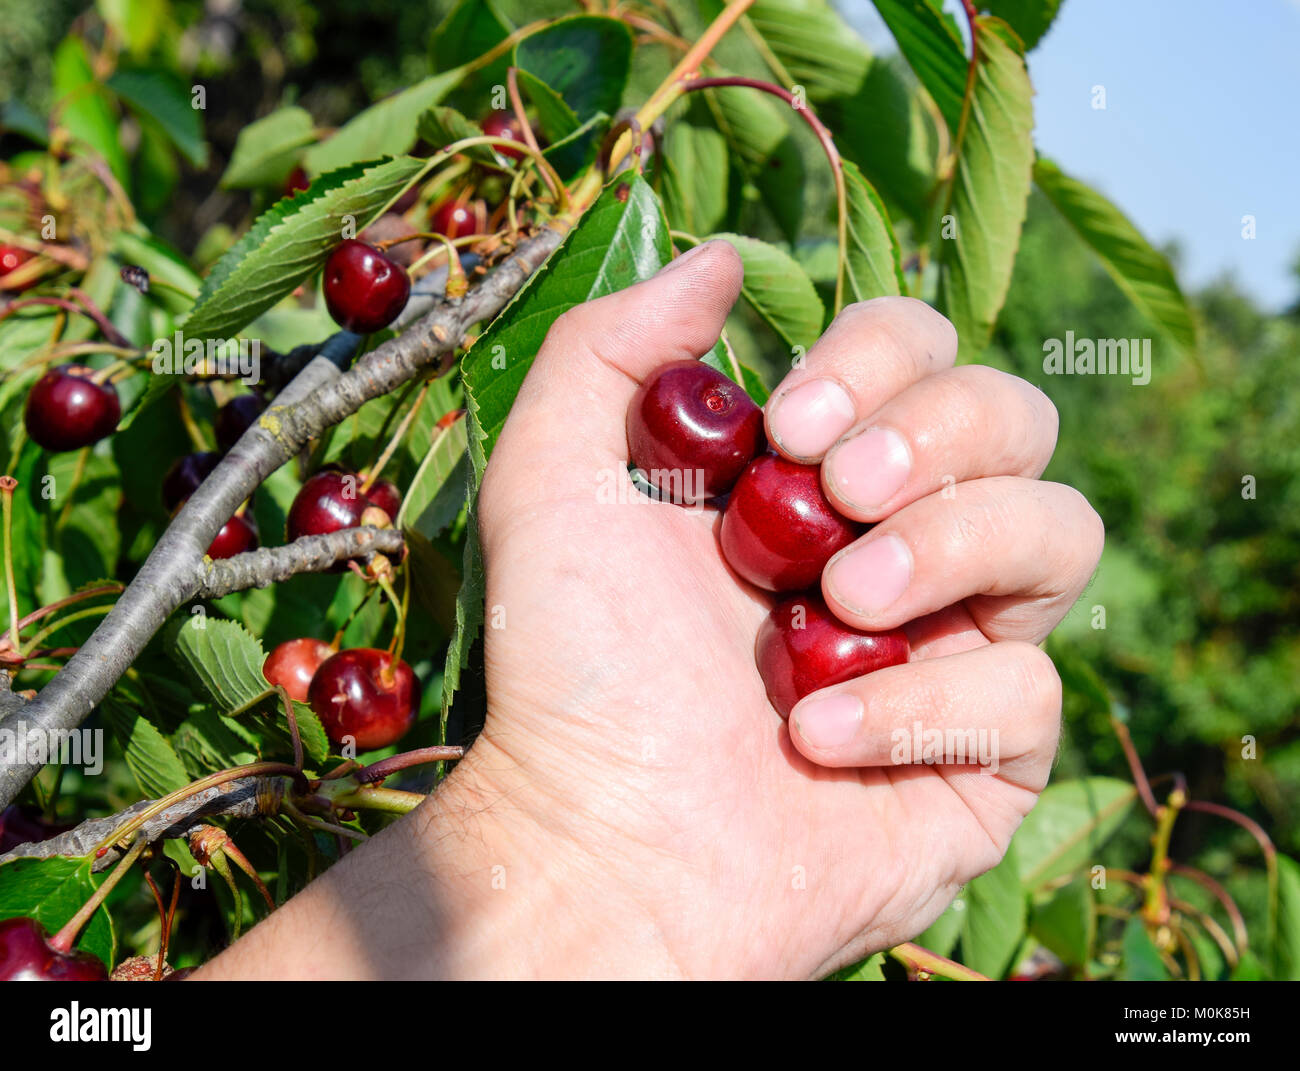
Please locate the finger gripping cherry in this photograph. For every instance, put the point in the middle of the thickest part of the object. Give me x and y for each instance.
(364, 290)
(26, 955)
(66, 410)
(779, 529)
(803, 647)
(361, 693)
(294, 663)
(692, 430)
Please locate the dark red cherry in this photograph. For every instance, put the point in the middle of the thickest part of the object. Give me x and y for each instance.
(328, 501)
(364, 290)
(779, 529)
(692, 430)
(297, 180)
(66, 410)
(11, 258)
(236, 417)
(360, 693)
(504, 125)
(237, 535)
(803, 647)
(185, 475)
(26, 955)
(458, 219)
(294, 663)
(22, 826)
(384, 494)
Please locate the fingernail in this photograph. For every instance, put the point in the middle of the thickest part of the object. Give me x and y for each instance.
(678, 261)
(871, 468)
(809, 418)
(829, 721)
(870, 578)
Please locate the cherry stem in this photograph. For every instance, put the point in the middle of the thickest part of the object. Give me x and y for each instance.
(549, 175)
(7, 487)
(218, 861)
(1156, 905)
(516, 102)
(67, 936)
(920, 961)
(292, 719)
(45, 611)
(1216, 890)
(166, 915)
(395, 440)
(54, 626)
(78, 474)
(1266, 846)
(196, 436)
(240, 860)
(377, 771)
(312, 822)
(375, 798)
(83, 306)
(1135, 765)
(337, 642)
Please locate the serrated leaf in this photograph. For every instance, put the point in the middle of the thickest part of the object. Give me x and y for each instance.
(1069, 825)
(933, 48)
(157, 768)
(814, 45)
(619, 241)
(162, 97)
(874, 261)
(990, 191)
(555, 118)
(53, 890)
(266, 150)
(994, 921)
(384, 129)
(435, 495)
(1142, 272)
(290, 241)
(440, 126)
(779, 290)
(583, 58)
(1031, 19)
(224, 658)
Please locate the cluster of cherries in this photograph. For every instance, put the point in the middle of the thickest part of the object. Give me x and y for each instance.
(778, 527)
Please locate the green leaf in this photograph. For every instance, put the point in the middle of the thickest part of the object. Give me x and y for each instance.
(1069, 825)
(1141, 960)
(756, 128)
(869, 970)
(435, 495)
(291, 240)
(1143, 273)
(994, 920)
(1031, 19)
(384, 129)
(618, 241)
(990, 191)
(779, 290)
(53, 890)
(1067, 923)
(87, 115)
(137, 22)
(1286, 950)
(30, 511)
(224, 658)
(162, 97)
(266, 150)
(583, 58)
(157, 768)
(814, 45)
(932, 46)
(440, 126)
(695, 169)
(471, 28)
(555, 118)
(875, 266)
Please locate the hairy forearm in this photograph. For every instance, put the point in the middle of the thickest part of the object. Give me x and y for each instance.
(470, 885)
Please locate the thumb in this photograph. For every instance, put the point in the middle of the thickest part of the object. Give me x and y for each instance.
(568, 423)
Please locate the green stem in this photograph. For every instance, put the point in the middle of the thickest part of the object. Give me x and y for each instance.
(54, 626)
(7, 486)
(920, 960)
(67, 936)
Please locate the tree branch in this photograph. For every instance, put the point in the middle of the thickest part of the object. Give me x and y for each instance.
(319, 397)
(247, 797)
(309, 554)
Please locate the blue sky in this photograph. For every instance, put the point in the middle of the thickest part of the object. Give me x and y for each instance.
(1201, 126)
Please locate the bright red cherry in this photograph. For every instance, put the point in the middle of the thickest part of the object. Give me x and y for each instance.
(364, 290)
(779, 529)
(237, 535)
(360, 693)
(504, 125)
(328, 501)
(26, 955)
(457, 219)
(66, 410)
(11, 258)
(294, 663)
(185, 475)
(384, 494)
(692, 430)
(803, 647)
(236, 417)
